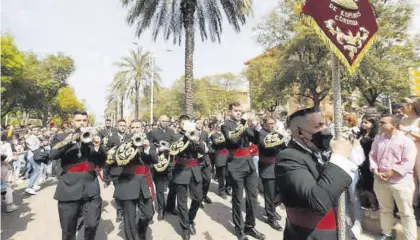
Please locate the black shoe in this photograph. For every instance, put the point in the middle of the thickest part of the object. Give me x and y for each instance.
(277, 216)
(223, 195)
(254, 233)
(275, 225)
(192, 229)
(119, 216)
(186, 236)
(160, 215)
(228, 192)
(241, 236)
(202, 205)
(207, 200)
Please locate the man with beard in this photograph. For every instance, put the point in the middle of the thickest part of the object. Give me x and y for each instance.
(270, 144)
(78, 187)
(310, 182)
(161, 179)
(242, 171)
(204, 161)
(108, 130)
(113, 171)
(134, 187)
(187, 176)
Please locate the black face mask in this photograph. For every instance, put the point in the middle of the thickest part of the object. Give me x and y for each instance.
(322, 139)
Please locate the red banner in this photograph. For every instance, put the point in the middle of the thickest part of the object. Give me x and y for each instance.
(348, 27)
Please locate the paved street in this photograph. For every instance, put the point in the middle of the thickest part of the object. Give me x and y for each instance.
(37, 218)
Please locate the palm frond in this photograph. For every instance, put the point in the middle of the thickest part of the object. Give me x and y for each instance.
(166, 16)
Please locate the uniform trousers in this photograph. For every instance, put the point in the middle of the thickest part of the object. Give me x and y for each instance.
(222, 179)
(69, 212)
(118, 203)
(269, 186)
(160, 181)
(240, 180)
(206, 171)
(196, 194)
(135, 228)
(170, 201)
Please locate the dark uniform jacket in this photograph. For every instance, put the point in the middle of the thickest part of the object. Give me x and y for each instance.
(205, 159)
(74, 186)
(268, 149)
(156, 135)
(107, 132)
(183, 169)
(309, 189)
(131, 185)
(112, 170)
(235, 141)
(218, 147)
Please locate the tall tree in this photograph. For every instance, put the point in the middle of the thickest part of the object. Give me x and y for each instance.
(178, 17)
(384, 70)
(134, 75)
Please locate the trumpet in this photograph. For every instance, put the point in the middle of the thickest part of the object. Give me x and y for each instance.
(190, 130)
(87, 134)
(139, 139)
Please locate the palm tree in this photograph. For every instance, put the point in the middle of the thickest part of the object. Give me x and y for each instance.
(111, 110)
(173, 17)
(135, 75)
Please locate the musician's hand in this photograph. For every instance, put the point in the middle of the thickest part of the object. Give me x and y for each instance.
(96, 141)
(163, 149)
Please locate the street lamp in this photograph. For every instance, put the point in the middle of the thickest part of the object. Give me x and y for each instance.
(152, 64)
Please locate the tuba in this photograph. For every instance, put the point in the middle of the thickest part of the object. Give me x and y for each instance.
(164, 161)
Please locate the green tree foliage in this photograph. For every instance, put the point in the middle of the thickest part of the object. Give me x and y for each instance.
(11, 62)
(384, 70)
(176, 18)
(34, 85)
(212, 94)
(305, 62)
(135, 74)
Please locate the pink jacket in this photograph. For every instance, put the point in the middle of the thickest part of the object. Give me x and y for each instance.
(397, 153)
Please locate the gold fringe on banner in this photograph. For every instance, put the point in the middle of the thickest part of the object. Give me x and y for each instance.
(310, 21)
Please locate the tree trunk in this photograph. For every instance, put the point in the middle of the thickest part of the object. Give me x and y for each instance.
(122, 107)
(136, 104)
(188, 8)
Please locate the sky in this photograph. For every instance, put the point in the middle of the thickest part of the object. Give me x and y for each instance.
(95, 34)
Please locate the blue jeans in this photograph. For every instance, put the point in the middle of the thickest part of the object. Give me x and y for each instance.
(35, 174)
(255, 159)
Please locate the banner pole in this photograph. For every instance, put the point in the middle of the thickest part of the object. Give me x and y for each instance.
(338, 124)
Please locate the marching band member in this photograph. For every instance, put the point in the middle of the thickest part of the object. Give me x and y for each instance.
(161, 179)
(309, 181)
(78, 187)
(218, 144)
(113, 171)
(187, 175)
(242, 171)
(204, 161)
(270, 144)
(134, 187)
